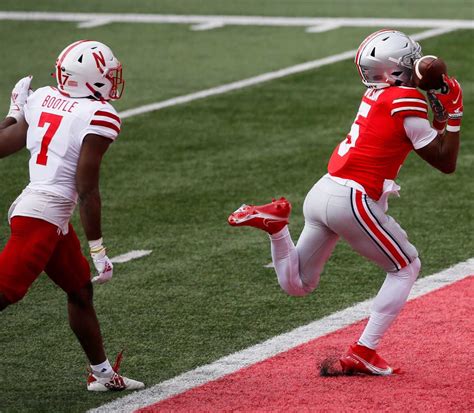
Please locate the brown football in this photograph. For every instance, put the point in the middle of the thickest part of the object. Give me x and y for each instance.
(428, 72)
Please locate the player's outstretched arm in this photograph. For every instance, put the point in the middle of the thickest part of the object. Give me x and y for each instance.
(12, 136)
(442, 152)
(87, 183)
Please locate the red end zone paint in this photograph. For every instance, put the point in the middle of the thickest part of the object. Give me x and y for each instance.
(431, 341)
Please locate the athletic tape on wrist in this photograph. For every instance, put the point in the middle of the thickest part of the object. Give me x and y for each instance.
(453, 128)
(96, 245)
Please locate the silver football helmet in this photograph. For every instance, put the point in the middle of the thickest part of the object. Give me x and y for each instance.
(386, 58)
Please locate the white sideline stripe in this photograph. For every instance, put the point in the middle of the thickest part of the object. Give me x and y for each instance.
(265, 77)
(233, 20)
(244, 358)
(129, 256)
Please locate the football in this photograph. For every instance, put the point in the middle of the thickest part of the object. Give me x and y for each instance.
(428, 72)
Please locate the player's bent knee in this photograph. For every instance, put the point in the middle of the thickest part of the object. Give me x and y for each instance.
(297, 293)
(416, 265)
(83, 297)
(411, 271)
(295, 290)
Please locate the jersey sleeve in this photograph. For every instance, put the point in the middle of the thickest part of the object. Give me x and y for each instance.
(104, 122)
(419, 131)
(410, 102)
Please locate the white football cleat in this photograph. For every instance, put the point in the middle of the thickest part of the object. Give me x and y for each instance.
(114, 383)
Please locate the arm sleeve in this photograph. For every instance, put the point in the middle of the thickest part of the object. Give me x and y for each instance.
(410, 103)
(419, 131)
(104, 122)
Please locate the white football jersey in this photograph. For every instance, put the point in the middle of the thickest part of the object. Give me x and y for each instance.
(57, 125)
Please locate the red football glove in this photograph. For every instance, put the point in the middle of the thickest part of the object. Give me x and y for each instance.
(440, 116)
(452, 103)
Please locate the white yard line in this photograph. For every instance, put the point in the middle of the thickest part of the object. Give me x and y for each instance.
(105, 18)
(314, 25)
(129, 256)
(236, 361)
(207, 25)
(265, 77)
(240, 84)
(323, 27)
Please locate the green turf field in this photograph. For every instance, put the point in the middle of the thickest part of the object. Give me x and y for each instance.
(173, 176)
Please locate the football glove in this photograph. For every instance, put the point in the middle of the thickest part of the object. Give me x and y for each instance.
(440, 116)
(452, 103)
(102, 263)
(20, 93)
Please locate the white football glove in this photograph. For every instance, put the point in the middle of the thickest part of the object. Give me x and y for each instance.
(102, 263)
(20, 93)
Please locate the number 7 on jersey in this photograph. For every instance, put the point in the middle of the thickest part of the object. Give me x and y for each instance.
(54, 121)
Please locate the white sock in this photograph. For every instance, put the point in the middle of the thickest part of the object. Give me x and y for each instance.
(286, 262)
(283, 233)
(388, 303)
(376, 326)
(103, 369)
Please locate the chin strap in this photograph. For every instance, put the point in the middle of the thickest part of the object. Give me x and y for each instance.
(373, 85)
(95, 93)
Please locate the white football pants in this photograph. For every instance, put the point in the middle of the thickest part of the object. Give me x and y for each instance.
(332, 210)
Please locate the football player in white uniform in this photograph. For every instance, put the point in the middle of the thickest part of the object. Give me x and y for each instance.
(67, 130)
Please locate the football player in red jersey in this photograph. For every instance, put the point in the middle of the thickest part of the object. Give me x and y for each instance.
(350, 201)
(67, 130)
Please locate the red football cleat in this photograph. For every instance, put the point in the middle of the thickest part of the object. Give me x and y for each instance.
(270, 217)
(361, 359)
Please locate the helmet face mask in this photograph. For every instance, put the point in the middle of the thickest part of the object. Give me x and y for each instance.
(118, 84)
(88, 68)
(386, 58)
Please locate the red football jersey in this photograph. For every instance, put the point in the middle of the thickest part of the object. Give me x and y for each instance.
(377, 144)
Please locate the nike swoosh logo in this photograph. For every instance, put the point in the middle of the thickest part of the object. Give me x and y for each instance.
(456, 101)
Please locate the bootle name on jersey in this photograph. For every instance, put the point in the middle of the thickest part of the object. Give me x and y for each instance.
(377, 144)
(57, 126)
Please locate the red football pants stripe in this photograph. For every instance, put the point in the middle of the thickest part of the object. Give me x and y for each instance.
(373, 226)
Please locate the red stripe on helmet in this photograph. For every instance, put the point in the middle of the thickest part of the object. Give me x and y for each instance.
(60, 60)
(68, 50)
